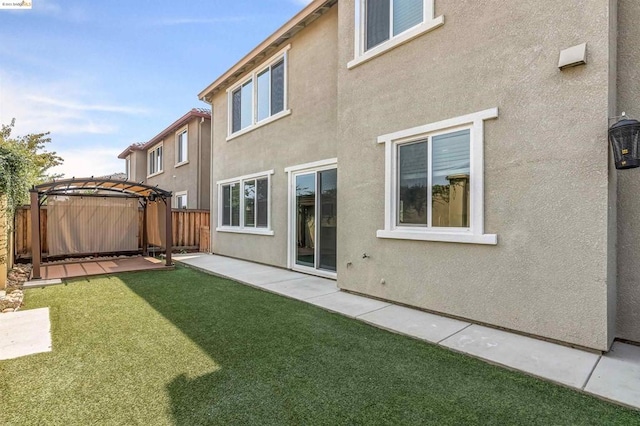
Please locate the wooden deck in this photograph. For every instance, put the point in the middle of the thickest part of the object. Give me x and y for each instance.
(100, 267)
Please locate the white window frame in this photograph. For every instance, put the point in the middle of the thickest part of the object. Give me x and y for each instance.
(180, 194)
(161, 165)
(361, 55)
(253, 76)
(475, 233)
(292, 172)
(184, 130)
(241, 228)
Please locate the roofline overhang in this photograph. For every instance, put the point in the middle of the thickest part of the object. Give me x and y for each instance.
(193, 113)
(314, 10)
(129, 150)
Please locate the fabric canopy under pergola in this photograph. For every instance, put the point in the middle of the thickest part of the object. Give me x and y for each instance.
(98, 187)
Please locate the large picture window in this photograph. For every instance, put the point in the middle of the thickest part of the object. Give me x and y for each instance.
(260, 98)
(382, 25)
(245, 203)
(435, 178)
(433, 190)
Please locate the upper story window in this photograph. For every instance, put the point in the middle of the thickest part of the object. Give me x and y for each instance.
(182, 147)
(384, 24)
(155, 160)
(388, 18)
(244, 204)
(260, 98)
(435, 181)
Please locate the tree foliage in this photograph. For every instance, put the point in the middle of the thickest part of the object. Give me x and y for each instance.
(24, 162)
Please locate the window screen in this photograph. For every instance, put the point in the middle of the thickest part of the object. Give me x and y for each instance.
(377, 22)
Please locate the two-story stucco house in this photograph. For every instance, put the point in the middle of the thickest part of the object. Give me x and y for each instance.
(178, 159)
(438, 154)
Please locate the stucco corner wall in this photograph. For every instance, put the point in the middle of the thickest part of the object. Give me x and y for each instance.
(547, 181)
(628, 202)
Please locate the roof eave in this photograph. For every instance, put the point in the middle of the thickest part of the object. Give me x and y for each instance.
(176, 124)
(314, 10)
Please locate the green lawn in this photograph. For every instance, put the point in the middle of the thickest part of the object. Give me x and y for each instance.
(185, 348)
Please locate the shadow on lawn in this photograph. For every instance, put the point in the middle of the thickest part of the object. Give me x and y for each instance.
(286, 362)
(255, 338)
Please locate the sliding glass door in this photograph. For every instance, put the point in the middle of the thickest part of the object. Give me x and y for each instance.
(315, 219)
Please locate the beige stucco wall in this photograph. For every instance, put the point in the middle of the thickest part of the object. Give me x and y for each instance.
(546, 167)
(628, 180)
(138, 166)
(184, 177)
(307, 135)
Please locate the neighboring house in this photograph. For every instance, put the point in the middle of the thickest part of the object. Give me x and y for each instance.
(432, 153)
(178, 159)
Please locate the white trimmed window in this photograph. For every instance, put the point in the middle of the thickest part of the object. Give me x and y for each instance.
(181, 200)
(384, 24)
(182, 147)
(434, 181)
(260, 98)
(245, 203)
(155, 160)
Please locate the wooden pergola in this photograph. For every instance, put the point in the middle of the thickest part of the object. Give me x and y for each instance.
(97, 187)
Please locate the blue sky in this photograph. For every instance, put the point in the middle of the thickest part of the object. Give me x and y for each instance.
(102, 75)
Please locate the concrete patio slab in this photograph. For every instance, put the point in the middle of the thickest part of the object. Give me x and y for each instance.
(557, 363)
(206, 260)
(304, 288)
(266, 276)
(348, 304)
(41, 283)
(422, 325)
(218, 265)
(25, 333)
(617, 375)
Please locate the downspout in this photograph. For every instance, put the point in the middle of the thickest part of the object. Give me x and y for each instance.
(199, 177)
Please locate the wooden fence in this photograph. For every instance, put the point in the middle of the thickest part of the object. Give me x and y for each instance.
(190, 230)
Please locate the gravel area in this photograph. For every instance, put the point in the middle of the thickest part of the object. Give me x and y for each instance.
(12, 298)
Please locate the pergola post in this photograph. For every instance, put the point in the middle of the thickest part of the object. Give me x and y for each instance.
(36, 254)
(145, 235)
(169, 230)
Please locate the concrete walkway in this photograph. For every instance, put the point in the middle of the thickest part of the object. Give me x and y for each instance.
(25, 333)
(614, 376)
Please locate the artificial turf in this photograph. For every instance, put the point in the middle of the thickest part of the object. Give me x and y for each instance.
(181, 347)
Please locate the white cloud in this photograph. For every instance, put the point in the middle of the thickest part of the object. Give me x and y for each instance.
(302, 2)
(89, 161)
(81, 125)
(37, 107)
(65, 104)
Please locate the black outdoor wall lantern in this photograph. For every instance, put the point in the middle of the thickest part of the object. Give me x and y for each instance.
(624, 137)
